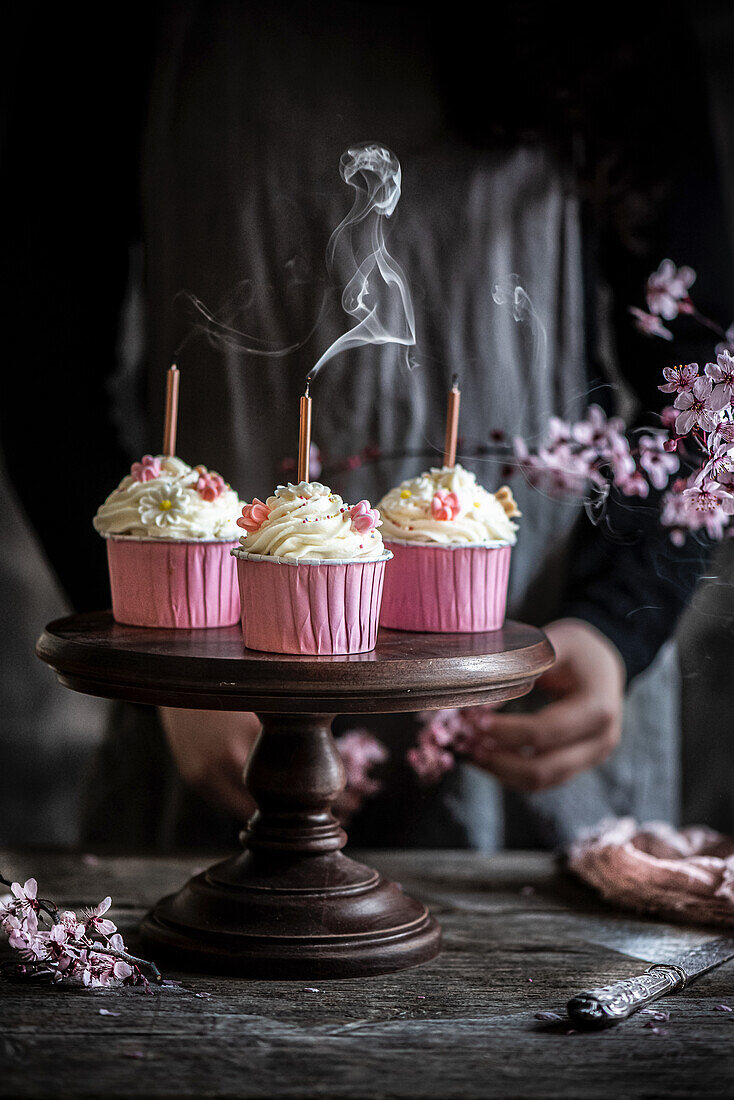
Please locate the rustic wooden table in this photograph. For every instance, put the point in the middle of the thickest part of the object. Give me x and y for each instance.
(520, 937)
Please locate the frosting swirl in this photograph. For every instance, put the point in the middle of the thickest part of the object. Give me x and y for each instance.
(448, 506)
(164, 498)
(308, 521)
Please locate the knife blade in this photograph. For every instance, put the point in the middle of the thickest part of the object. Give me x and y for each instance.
(611, 1003)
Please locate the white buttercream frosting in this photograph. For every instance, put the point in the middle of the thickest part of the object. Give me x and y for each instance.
(169, 506)
(308, 522)
(477, 516)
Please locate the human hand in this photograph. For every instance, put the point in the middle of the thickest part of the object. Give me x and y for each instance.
(210, 749)
(576, 731)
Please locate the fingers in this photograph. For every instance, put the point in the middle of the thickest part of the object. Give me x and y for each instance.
(551, 768)
(558, 724)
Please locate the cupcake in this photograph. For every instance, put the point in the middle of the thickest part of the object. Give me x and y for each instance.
(169, 531)
(310, 571)
(451, 542)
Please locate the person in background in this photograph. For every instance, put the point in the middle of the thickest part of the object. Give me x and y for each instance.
(214, 172)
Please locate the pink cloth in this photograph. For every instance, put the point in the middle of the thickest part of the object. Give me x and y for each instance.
(683, 874)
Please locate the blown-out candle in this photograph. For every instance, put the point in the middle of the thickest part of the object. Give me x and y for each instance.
(304, 434)
(452, 423)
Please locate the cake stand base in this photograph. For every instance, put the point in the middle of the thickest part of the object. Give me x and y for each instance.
(354, 924)
(292, 905)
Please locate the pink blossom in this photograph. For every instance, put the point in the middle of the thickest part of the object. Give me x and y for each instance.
(559, 431)
(721, 374)
(595, 429)
(633, 485)
(209, 485)
(254, 515)
(147, 469)
(94, 919)
(668, 416)
(708, 496)
(364, 518)
(445, 505)
(724, 433)
(679, 379)
(25, 895)
(650, 325)
(699, 406)
(667, 289)
(727, 343)
(361, 751)
(654, 460)
(720, 466)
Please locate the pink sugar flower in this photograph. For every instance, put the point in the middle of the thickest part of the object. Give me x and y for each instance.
(210, 485)
(254, 515)
(364, 518)
(445, 505)
(146, 470)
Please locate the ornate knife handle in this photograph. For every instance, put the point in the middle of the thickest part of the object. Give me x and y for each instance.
(606, 1006)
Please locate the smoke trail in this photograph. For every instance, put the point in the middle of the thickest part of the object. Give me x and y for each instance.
(376, 294)
(509, 292)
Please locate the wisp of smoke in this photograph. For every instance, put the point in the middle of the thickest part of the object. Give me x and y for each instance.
(376, 293)
(509, 292)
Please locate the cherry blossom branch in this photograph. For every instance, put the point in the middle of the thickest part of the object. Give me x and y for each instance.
(87, 948)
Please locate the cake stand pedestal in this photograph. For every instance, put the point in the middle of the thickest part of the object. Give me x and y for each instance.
(291, 904)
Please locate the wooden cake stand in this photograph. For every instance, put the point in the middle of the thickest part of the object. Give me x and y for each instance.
(291, 904)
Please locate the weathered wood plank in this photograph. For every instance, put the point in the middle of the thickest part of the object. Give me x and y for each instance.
(460, 1026)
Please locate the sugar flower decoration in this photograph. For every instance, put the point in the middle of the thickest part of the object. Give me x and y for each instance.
(147, 469)
(254, 515)
(164, 505)
(364, 518)
(445, 505)
(209, 485)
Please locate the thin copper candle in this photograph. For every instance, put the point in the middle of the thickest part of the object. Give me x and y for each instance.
(452, 423)
(304, 434)
(171, 422)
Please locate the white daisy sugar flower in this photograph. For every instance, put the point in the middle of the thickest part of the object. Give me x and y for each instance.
(164, 505)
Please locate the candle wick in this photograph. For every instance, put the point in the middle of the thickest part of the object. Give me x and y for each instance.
(455, 382)
(307, 392)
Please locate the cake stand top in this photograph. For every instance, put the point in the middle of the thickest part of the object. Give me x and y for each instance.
(212, 670)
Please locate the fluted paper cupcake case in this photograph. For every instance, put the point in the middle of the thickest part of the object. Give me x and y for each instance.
(173, 583)
(455, 589)
(319, 606)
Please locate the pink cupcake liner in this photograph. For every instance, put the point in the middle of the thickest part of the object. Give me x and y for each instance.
(324, 607)
(173, 584)
(448, 590)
